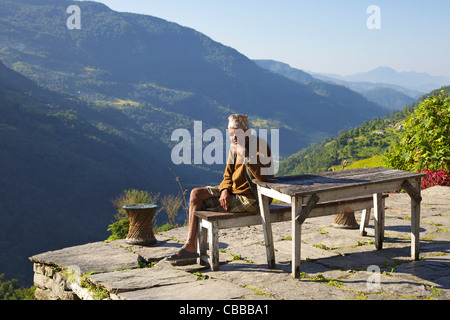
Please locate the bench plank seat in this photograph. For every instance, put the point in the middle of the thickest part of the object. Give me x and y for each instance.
(210, 222)
(212, 215)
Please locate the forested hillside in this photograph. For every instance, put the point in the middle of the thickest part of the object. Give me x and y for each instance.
(61, 163)
(167, 74)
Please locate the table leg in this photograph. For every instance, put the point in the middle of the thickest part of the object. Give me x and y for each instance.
(267, 227)
(413, 189)
(415, 223)
(378, 214)
(296, 236)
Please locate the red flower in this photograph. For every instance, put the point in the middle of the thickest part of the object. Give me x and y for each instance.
(438, 178)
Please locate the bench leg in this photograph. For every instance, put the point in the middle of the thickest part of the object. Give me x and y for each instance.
(202, 242)
(213, 234)
(378, 208)
(365, 217)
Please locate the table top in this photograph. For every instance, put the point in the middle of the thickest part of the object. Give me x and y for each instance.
(140, 206)
(334, 180)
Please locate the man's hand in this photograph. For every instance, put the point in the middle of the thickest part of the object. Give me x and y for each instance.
(225, 199)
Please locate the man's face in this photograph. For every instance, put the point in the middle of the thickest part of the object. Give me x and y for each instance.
(232, 135)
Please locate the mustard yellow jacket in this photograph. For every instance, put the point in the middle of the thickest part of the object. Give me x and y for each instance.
(234, 176)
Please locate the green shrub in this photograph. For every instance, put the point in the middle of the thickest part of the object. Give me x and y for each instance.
(119, 229)
(425, 143)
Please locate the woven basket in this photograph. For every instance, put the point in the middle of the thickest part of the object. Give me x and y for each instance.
(141, 223)
(345, 220)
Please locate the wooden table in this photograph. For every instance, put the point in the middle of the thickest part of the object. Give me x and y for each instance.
(303, 192)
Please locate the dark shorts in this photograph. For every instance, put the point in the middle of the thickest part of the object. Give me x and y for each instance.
(239, 203)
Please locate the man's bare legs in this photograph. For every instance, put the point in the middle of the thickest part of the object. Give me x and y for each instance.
(198, 195)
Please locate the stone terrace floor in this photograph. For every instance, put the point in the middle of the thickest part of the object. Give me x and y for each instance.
(334, 262)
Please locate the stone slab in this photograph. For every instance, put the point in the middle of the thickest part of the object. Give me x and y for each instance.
(163, 248)
(93, 257)
(386, 284)
(209, 289)
(429, 270)
(138, 279)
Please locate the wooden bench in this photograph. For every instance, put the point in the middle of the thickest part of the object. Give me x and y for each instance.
(211, 222)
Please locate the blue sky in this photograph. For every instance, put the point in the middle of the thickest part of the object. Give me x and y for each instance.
(326, 36)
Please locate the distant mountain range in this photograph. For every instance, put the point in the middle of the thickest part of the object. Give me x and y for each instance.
(384, 86)
(419, 82)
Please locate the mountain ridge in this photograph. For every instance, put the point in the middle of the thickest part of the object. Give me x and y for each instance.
(412, 80)
(391, 97)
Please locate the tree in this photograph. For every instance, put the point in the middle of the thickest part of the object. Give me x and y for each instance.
(10, 290)
(425, 143)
